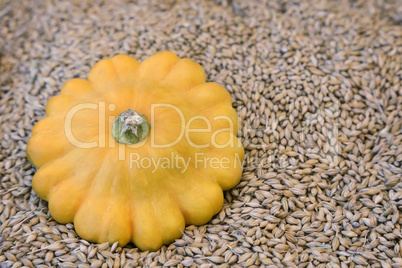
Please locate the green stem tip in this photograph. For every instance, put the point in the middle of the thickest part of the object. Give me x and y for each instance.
(130, 127)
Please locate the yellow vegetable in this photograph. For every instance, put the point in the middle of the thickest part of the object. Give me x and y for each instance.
(137, 151)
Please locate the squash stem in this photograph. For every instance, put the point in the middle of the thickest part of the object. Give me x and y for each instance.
(130, 127)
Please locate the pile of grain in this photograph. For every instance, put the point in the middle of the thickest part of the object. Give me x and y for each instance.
(316, 84)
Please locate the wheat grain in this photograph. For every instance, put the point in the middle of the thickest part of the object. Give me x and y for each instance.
(317, 90)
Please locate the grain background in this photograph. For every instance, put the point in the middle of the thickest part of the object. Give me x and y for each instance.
(317, 85)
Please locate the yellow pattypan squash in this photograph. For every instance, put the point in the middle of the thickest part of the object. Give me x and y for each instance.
(137, 151)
